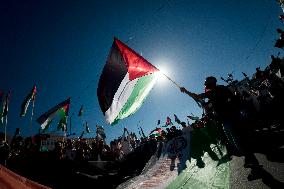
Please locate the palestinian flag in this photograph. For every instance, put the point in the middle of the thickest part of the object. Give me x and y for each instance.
(87, 127)
(2, 102)
(168, 122)
(156, 132)
(62, 124)
(5, 107)
(81, 111)
(143, 134)
(194, 118)
(100, 132)
(61, 110)
(30, 97)
(177, 120)
(125, 82)
(82, 134)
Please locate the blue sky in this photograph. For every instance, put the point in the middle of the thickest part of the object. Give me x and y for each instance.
(62, 46)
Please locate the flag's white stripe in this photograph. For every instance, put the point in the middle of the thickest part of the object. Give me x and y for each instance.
(140, 98)
(45, 123)
(120, 98)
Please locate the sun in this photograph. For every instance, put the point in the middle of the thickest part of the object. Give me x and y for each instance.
(162, 74)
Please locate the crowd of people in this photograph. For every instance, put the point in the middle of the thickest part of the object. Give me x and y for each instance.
(246, 105)
(252, 101)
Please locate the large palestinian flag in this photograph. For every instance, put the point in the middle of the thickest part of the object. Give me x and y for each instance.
(126, 80)
(61, 110)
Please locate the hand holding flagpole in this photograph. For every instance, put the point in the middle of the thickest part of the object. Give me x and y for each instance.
(182, 89)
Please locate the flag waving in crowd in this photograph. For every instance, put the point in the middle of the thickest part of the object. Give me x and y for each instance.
(194, 118)
(2, 103)
(30, 97)
(5, 107)
(177, 120)
(156, 132)
(168, 122)
(100, 132)
(61, 109)
(87, 127)
(125, 82)
(81, 111)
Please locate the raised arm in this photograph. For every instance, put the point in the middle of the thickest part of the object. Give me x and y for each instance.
(193, 95)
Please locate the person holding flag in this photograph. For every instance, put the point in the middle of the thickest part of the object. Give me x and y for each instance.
(227, 109)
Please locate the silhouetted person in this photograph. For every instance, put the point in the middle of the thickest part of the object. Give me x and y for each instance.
(276, 64)
(227, 109)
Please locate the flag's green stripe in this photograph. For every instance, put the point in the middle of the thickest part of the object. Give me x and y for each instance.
(137, 97)
(61, 112)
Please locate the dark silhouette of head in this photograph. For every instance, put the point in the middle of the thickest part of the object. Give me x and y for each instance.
(210, 82)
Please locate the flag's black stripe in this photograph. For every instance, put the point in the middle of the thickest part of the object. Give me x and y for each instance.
(44, 116)
(113, 73)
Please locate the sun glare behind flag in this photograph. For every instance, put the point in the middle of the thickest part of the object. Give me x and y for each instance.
(61, 109)
(125, 82)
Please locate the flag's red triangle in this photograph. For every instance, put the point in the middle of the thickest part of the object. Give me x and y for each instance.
(136, 64)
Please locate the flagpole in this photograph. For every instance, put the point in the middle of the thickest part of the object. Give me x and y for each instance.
(31, 121)
(70, 123)
(172, 80)
(179, 87)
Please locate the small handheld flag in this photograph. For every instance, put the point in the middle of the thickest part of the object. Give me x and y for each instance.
(168, 122)
(30, 97)
(87, 127)
(81, 111)
(5, 107)
(195, 118)
(177, 120)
